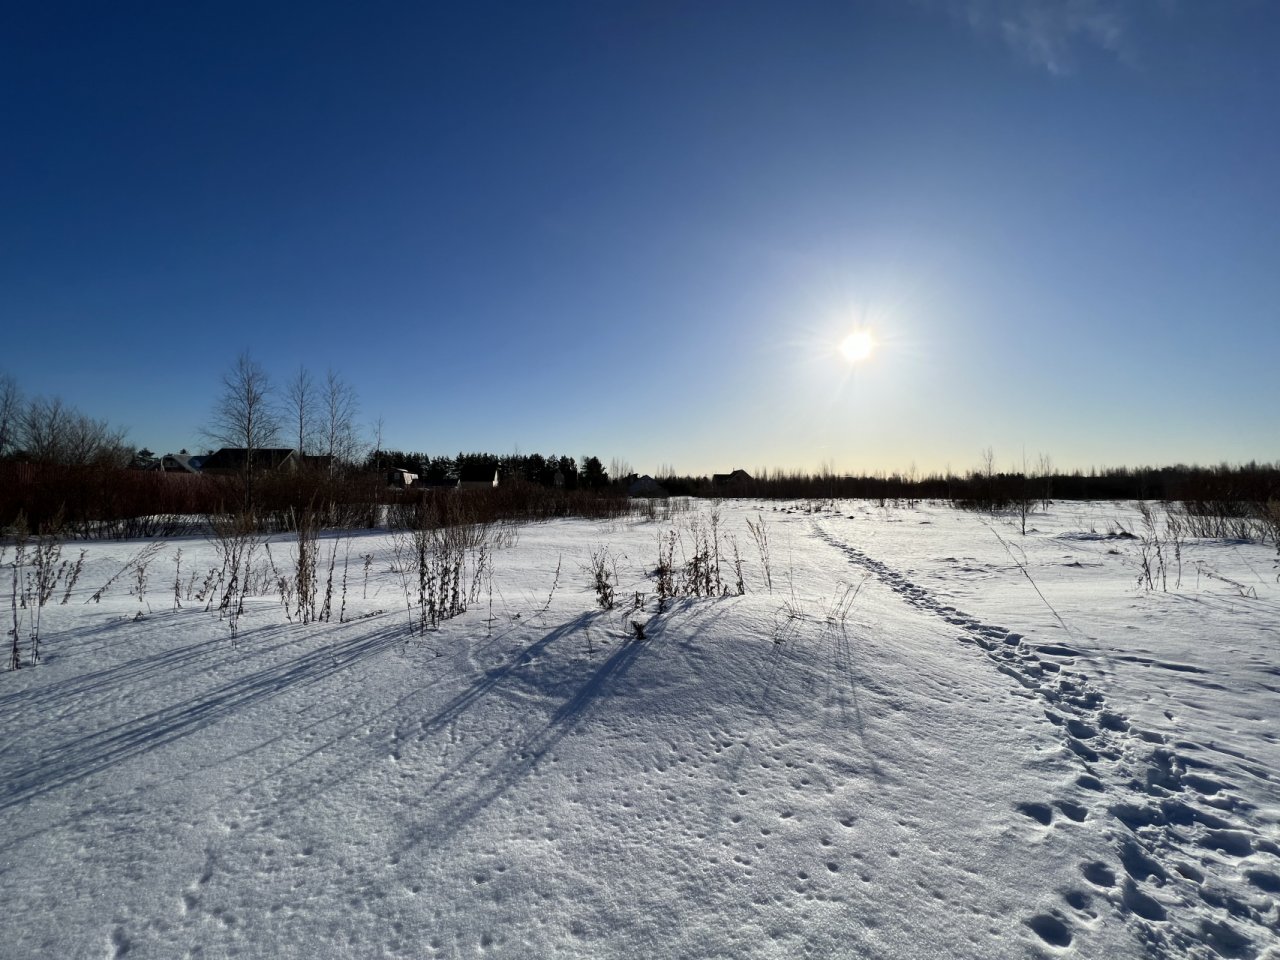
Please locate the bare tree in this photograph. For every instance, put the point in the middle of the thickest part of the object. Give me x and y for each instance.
(1044, 468)
(619, 468)
(95, 441)
(339, 406)
(245, 415)
(302, 400)
(42, 428)
(377, 442)
(48, 431)
(10, 408)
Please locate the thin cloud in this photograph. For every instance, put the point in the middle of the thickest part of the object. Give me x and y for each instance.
(1048, 33)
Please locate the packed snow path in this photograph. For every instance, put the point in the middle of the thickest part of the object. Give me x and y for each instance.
(821, 770)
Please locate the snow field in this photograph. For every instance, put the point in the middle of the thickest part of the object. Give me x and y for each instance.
(941, 768)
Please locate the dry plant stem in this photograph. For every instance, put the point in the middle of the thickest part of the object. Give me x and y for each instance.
(304, 579)
(346, 561)
(326, 607)
(73, 576)
(1022, 566)
(555, 582)
(42, 579)
(1151, 556)
(1175, 533)
(20, 546)
(235, 539)
(401, 547)
(177, 580)
(143, 557)
(760, 534)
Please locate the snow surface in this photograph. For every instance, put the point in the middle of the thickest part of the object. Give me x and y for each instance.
(906, 749)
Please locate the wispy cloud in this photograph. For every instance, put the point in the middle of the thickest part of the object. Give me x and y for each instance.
(1048, 33)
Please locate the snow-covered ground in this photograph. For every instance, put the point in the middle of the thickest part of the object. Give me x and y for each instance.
(932, 738)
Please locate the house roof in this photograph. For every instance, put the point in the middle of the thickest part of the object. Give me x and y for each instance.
(181, 461)
(236, 458)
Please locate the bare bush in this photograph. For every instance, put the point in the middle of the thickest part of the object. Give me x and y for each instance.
(1151, 552)
(235, 539)
(602, 566)
(304, 586)
(443, 569)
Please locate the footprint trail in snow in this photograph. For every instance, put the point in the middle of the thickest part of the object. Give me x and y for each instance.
(1175, 823)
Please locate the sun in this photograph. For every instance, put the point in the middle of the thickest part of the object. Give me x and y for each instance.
(857, 346)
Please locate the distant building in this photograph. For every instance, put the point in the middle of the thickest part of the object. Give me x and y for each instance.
(737, 478)
(180, 463)
(645, 486)
(477, 478)
(232, 460)
(401, 478)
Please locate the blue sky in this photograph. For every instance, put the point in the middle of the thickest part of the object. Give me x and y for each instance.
(641, 229)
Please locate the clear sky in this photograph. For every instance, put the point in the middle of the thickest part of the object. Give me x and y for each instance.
(643, 229)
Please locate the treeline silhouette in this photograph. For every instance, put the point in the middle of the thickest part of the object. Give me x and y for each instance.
(1224, 484)
(109, 500)
(100, 501)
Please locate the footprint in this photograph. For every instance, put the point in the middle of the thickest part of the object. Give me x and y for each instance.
(1073, 810)
(1138, 864)
(1264, 880)
(1113, 722)
(1082, 751)
(1144, 906)
(1078, 899)
(1050, 929)
(1099, 874)
(1080, 730)
(1234, 843)
(1225, 940)
(1041, 812)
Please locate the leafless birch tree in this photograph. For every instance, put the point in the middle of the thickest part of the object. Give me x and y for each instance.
(245, 415)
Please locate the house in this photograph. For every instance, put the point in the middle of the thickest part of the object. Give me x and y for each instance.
(401, 478)
(645, 486)
(234, 460)
(477, 478)
(734, 479)
(180, 463)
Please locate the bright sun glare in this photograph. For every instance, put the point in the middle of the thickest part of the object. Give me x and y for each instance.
(856, 346)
